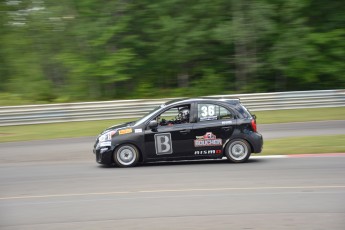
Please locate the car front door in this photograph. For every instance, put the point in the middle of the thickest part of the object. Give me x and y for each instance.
(215, 125)
(172, 138)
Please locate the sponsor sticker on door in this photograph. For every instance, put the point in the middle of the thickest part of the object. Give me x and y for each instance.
(208, 152)
(209, 139)
(163, 143)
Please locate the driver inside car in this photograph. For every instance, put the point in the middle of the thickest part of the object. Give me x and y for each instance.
(181, 117)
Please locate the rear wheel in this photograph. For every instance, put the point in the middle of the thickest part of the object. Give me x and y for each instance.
(237, 151)
(126, 155)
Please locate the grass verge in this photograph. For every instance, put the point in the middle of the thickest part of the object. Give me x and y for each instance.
(56, 130)
(92, 128)
(305, 145)
(300, 115)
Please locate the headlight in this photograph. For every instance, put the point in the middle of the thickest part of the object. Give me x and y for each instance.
(106, 136)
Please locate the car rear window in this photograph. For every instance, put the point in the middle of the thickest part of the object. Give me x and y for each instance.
(243, 111)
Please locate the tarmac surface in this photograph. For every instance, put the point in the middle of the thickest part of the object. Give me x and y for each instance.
(56, 184)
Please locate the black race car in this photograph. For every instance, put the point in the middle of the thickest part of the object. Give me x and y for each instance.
(187, 129)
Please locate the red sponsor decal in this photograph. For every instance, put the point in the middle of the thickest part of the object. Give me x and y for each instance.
(209, 139)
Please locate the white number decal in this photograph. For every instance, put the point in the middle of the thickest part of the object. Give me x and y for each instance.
(211, 110)
(207, 111)
(204, 111)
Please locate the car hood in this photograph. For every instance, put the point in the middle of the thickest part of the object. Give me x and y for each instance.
(115, 127)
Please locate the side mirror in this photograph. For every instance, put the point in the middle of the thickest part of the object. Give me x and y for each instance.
(153, 124)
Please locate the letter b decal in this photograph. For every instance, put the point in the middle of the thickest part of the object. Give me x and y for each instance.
(163, 143)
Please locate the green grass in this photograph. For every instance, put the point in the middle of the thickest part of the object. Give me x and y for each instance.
(56, 130)
(92, 128)
(305, 145)
(300, 115)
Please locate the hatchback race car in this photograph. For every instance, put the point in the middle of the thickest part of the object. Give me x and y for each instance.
(186, 129)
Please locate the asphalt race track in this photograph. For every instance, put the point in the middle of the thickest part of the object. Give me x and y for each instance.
(57, 185)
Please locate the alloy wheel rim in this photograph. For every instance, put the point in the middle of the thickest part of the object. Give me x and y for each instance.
(238, 150)
(126, 155)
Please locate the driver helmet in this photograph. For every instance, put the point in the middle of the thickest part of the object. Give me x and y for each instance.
(184, 114)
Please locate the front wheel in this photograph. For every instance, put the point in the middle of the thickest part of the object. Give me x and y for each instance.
(237, 151)
(126, 155)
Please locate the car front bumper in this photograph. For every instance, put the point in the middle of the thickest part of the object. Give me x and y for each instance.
(104, 155)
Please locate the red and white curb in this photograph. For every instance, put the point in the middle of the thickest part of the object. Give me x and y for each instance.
(299, 155)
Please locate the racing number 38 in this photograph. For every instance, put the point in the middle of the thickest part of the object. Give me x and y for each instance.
(184, 129)
(207, 111)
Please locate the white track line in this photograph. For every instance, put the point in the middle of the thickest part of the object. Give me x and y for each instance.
(299, 155)
(174, 190)
(269, 157)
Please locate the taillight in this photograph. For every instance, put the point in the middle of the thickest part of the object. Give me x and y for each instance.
(253, 123)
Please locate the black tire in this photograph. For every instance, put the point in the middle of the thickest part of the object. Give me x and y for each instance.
(126, 155)
(238, 151)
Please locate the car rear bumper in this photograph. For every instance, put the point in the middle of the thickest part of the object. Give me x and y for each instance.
(257, 142)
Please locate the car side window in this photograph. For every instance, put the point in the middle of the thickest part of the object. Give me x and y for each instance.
(210, 112)
(173, 116)
(224, 114)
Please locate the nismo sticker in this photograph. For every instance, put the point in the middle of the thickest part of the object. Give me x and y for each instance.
(208, 152)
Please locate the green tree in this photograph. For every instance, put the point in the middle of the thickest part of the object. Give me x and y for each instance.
(70, 50)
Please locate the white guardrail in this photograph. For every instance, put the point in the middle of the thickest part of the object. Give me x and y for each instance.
(87, 111)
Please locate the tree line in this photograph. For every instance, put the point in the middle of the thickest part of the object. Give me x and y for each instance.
(80, 50)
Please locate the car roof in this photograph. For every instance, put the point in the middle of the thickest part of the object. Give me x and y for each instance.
(203, 99)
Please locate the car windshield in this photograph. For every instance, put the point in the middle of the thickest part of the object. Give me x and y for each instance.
(148, 115)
